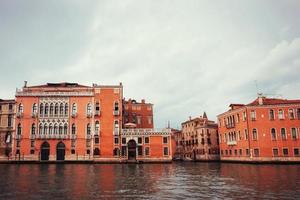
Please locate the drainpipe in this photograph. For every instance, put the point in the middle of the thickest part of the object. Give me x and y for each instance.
(250, 152)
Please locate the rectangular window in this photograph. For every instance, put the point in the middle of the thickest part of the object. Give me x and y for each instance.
(296, 152)
(165, 140)
(256, 152)
(124, 150)
(116, 140)
(147, 151)
(285, 151)
(246, 134)
(31, 151)
(149, 119)
(123, 140)
(275, 152)
(226, 152)
(32, 143)
(235, 152)
(253, 115)
(166, 151)
(294, 133)
(146, 140)
(88, 143)
(140, 150)
(283, 134)
(280, 114)
(247, 152)
(244, 116)
(241, 152)
(254, 134)
(140, 140)
(271, 114)
(298, 113)
(73, 151)
(230, 152)
(72, 143)
(96, 140)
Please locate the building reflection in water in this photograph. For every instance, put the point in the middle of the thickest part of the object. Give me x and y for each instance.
(178, 180)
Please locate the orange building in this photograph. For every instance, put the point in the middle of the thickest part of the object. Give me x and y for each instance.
(137, 114)
(7, 115)
(68, 121)
(198, 140)
(262, 131)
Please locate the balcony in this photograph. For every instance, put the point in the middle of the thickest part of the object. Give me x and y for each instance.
(32, 137)
(97, 113)
(116, 112)
(74, 115)
(145, 131)
(73, 136)
(19, 114)
(88, 136)
(231, 143)
(89, 115)
(52, 136)
(230, 126)
(18, 137)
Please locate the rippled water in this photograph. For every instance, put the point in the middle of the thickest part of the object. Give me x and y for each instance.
(149, 181)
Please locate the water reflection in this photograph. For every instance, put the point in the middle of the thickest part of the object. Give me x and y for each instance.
(150, 181)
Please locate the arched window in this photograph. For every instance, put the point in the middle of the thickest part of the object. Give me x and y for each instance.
(89, 109)
(97, 108)
(55, 129)
(73, 129)
(283, 134)
(273, 134)
(88, 129)
(46, 109)
(97, 127)
(66, 129)
(56, 109)
(66, 109)
(45, 129)
(280, 114)
(19, 129)
(50, 129)
(51, 109)
(41, 109)
(74, 109)
(33, 129)
(61, 109)
(254, 134)
(96, 151)
(291, 113)
(60, 129)
(40, 129)
(34, 108)
(20, 108)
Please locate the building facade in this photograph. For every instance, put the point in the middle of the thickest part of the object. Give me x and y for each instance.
(264, 130)
(199, 139)
(7, 117)
(68, 121)
(137, 114)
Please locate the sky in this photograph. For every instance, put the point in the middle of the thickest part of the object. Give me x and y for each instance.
(185, 57)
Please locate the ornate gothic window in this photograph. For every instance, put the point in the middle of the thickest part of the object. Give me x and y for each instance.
(66, 109)
(41, 109)
(33, 129)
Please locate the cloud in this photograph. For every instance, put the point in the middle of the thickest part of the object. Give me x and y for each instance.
(185, 57)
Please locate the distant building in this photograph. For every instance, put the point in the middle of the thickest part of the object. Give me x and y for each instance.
(7, 117)
(266, 129)
(199, 139)
(137, 114)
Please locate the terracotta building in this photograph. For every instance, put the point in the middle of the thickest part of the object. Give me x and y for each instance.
(266, 129)
(68, 121)
(199, 139)
(137, 114)
(7, 115)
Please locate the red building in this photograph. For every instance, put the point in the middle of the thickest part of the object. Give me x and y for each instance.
(266, 129)
(68, 121)
(198, 140)
(137, 114)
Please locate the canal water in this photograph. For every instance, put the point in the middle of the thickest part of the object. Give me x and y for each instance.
(149, 181)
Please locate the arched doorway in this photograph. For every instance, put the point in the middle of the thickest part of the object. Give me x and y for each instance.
(96, 152)
(45, 151)
(131, 150)
(60, 151)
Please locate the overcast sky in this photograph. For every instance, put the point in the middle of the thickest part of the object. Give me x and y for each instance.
(185, 57)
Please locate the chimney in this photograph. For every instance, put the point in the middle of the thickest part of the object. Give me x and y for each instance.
(260, 99)
(25, 84)
(190, 118)
(143, 100)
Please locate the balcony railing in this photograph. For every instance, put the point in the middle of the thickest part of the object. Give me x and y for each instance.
(89, 115)
(116, 131)
(18, 137)
(116, 113)
(230, 125)
(73, 136)
(19, 114)
(88, 136)
(74, 115)
(32, 137)
(231, 142)
(52, 136)
(146, 131)
(20, 92)
(34, 114)
(97, 113)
